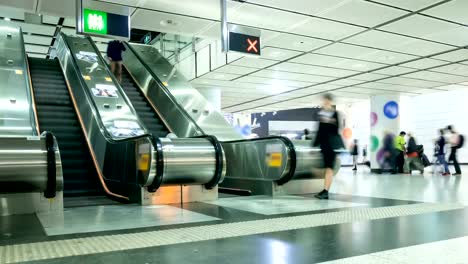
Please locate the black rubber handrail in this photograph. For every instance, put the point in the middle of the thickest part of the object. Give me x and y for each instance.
(159, 166)
(94, 108)
(51, 188)
(164, 88)
(292, 154)
(218, 174)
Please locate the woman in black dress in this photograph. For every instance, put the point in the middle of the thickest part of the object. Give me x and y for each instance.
(329, 140)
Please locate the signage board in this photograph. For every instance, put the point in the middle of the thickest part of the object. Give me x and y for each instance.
(99, 21)
(244, 43)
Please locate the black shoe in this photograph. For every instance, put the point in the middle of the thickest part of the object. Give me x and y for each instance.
(456, 174)
(322, 195)
(354, 169)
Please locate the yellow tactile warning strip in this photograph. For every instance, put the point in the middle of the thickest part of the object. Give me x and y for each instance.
(111, 243)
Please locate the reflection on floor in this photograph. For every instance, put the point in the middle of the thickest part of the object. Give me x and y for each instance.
(422, 188)
(267, 205)
(116, 217)
(447, 251)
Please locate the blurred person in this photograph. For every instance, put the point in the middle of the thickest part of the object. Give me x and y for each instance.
(413, 160)
(355, 153)
(456, 142)
(114, 53)
(400, 150)
(440, 152)
(364, 154)
(329, 140)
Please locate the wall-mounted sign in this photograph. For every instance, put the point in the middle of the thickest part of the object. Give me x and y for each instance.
(101, 20)
(244, 43)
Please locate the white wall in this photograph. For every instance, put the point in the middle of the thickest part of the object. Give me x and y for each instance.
(423, 115)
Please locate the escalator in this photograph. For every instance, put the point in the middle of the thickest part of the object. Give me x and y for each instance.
(56, 114)
(145, 111)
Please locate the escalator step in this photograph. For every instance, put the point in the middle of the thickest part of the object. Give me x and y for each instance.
(57, 114)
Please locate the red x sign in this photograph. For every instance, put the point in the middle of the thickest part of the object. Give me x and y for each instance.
(252, 45)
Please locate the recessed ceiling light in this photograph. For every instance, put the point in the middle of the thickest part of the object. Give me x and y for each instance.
(7, 19)
(275, 53)
(169, 23)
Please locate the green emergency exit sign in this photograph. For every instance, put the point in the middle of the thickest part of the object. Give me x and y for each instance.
(95, 22)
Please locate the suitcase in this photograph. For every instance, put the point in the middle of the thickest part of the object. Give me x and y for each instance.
(425, 161)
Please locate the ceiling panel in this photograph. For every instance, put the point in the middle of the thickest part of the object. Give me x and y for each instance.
(307, 7)
(457, 55)
(459, 69)
(154, 21)
(337, 62)
(220, 76)
(395, 70)
(364, 53)
(235, 69)
(361, 90)
(274, 82)
(346, 82)
(69, 22)
(454, 10)
(412, 82)
(254, 15)
(254, 62)
(33, 28)
(292, 76)
(409, 4)
(278, 54)
(424, 63)
(430, 28)
(321, 28)
(36, 49)
(389, 41)
(295, 42)
(369, 76)
(309, 69)
(49, 19)
(31, 39)
(435, 76)
(362, 13)
(63, 8)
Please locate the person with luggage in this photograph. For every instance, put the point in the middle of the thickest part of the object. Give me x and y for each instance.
(456, 142)
(440, 152)
(355, 153)
(329, 140)
(413, 153)
(400, 150)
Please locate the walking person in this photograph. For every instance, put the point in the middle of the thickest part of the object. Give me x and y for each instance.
(456, 142)
(114, 53)
(413, 160)
(355, 153)
(400, 150)
(440, 152)
(329, 140)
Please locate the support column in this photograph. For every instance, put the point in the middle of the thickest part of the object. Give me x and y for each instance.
(212, 95)
(385, 125)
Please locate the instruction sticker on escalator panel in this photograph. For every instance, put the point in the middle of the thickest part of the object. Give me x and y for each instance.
(274, 155)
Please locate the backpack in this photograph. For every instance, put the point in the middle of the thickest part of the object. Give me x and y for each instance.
(461, 141)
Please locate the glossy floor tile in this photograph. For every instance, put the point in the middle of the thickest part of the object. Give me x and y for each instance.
(267, 205)
(441, 252)
(116, 217)
(421, 188)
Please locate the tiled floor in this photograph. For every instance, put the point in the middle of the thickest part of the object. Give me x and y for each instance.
(368, 219)
(116, 217)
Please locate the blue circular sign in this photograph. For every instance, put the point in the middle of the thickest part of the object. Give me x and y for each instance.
(391, 110)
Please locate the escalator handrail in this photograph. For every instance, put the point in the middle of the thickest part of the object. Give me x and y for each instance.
(292, 155)
(94, 107)
(218, 174)
(157, 182)
(51, 189)
(164, 88)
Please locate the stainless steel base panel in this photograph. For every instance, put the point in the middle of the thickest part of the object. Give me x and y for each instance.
(179, 194)
(266, 187)
(29, 203)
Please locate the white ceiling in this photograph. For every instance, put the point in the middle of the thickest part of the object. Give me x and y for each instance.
(352, 48)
